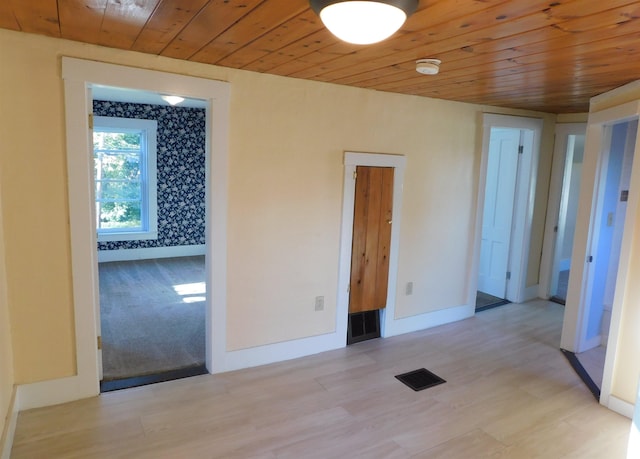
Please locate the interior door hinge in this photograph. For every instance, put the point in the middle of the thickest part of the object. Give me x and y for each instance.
(590, 259)
(520, 149)
(355, 175)
(508, 275)
(90, 120)
(99, 342)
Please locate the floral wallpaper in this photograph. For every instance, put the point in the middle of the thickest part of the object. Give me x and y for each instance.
(181, 172)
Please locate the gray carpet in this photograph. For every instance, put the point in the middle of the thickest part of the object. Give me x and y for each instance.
(484, 300)
(152, 316)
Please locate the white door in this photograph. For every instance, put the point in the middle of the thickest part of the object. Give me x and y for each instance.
(502, 170)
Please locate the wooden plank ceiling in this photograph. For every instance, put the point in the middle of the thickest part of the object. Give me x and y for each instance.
(547, 55)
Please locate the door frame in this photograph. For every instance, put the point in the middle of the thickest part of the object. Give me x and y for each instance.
(517, 291)
(575, 314)
(562, 132)
(78, 76)
(351, 161)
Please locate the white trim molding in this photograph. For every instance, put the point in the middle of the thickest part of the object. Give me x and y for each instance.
(529, 293)
(278, 352)
(620, 406)
(6, 440)
(430, 319)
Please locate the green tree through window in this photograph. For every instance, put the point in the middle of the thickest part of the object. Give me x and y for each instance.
(121, 176)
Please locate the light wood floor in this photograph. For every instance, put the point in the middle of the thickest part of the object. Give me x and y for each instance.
(510, 393)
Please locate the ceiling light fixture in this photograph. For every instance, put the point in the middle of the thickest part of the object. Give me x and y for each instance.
(172, 100)
(428, 66)
(363, 22)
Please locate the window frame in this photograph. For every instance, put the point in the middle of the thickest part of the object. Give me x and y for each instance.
(148, 177)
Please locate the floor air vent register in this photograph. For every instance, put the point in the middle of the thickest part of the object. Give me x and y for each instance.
(420, 379)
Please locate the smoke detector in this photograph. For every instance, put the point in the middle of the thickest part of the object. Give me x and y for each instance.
(428, 66)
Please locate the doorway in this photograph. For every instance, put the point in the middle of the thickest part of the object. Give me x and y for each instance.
(497, 218)
(610, 211)
(505, 203)
(592, 293)
(79, 76)
(389, 325)
(568, 159)
(599, 285)
(372, 222)
(149, 182)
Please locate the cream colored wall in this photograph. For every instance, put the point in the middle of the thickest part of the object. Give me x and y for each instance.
(573, 118)
(285, 195)
(286, 200)
(6, 350)
(35, 214)
(627, 366)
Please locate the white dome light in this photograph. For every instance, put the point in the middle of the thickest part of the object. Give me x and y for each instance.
(363, 22)
(172, 100)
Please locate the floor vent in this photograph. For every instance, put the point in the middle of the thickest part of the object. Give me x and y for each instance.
(420, 379)
(363, 326)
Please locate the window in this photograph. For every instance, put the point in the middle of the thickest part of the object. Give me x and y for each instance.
(124, 152)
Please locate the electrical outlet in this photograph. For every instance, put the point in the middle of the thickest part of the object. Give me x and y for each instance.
(409, 288)
(319, 303)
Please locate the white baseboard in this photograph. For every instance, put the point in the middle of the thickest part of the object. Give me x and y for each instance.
(150, 253)
(6, 442)
(427, 320)
(590, 344)
(529, 293)
(279, 352)
(56, 391)
(287, 350)
(620, 406)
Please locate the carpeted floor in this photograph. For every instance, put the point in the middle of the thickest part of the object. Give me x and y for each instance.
(152, 316)
(486, 301)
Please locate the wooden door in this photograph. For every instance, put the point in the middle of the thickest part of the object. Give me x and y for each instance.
(371, 238)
